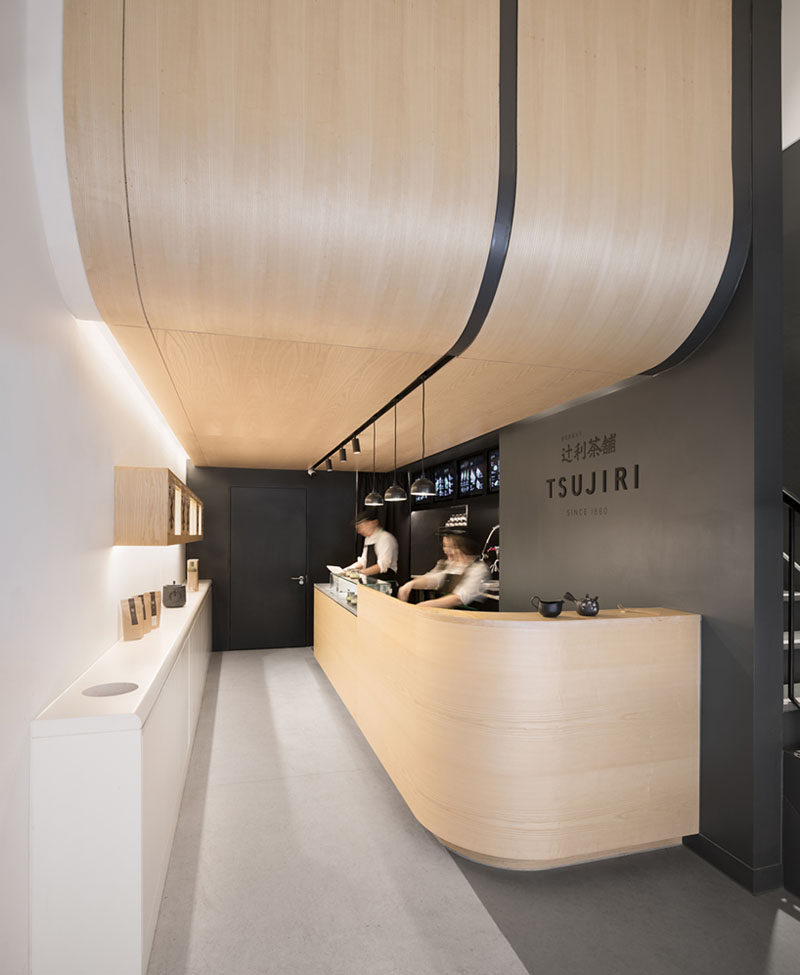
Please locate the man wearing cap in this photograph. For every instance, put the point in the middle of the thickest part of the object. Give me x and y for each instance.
(379, 556)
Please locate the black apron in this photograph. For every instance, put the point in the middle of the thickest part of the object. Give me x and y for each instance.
(389, 576)
(451, 580)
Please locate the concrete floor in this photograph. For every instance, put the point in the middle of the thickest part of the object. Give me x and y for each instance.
(295, 854)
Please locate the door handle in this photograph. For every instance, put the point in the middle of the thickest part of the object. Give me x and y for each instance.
(299, 579)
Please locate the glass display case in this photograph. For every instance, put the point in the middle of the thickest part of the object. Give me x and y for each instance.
(344, 587)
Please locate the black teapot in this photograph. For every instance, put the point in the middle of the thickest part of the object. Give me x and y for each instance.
(547, 607)
(588, 606)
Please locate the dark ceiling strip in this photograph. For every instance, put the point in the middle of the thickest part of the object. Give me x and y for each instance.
(503, 218)
(506, 179)
(130, 235)
(742, 175)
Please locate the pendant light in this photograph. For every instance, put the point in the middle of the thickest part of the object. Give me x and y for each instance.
(373, 499)
(395, 492)
(423, 487)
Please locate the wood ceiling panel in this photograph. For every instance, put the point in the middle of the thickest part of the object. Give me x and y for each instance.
(277, 404)
(312, 190)
(322, 172)
(93, 131)
(466, 399)
(623, 214)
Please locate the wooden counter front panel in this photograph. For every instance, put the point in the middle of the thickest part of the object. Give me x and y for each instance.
(528, 741)
(335, 647)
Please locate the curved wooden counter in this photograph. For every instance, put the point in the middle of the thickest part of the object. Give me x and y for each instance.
(521, 741)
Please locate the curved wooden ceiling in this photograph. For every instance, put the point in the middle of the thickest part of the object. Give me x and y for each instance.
(285, 208)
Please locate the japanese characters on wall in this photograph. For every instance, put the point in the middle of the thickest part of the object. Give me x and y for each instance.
(588, 471)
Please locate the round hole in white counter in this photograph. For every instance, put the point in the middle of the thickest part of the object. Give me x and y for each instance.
(109, 690)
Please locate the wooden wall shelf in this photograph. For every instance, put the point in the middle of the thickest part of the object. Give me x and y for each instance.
(152, 506)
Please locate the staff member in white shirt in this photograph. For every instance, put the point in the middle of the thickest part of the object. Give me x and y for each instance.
(459, 578)
(379, 556)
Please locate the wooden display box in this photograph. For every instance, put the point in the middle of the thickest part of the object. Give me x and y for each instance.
(154, 507)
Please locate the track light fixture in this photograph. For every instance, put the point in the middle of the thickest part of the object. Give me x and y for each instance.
(423, 487)
(395, 492)
(343, 455)
(328, 464)
(356, 445)
(373, 499)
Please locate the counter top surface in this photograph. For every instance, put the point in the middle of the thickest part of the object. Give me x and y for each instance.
(475, 618)
(146, 662)
(572, 617)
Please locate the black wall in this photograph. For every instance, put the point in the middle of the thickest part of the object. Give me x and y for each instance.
(702, 531)
(418, 545)
(791, 317)
(698, 534)
(425, 545)
(331, 536)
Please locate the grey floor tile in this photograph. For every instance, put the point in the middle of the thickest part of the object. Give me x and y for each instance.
(268, 717)
(295, 853)
(297, 864)
(661, 913)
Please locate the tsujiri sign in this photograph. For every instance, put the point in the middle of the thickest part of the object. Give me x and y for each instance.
(602, 478)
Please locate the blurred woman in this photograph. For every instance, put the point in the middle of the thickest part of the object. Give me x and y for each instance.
(459, 578)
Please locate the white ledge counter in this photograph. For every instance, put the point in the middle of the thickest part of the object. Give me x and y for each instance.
(145, 662)
(107, 776)
(521, 741)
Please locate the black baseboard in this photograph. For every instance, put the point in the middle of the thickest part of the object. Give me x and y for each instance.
(791, 821)
(755, 879)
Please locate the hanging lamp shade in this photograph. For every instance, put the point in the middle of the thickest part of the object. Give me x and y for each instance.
(395, 492)
(423, 487)
(373, 499)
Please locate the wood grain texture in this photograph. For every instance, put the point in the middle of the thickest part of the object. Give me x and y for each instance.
(141, 507)
(252, 398)
(324, 175)
(94, 145)
(624, 205)
(526, 741)
(470, 397)
(324, 172)
(336, 646)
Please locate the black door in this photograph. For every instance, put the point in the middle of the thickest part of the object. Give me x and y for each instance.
(268, 547)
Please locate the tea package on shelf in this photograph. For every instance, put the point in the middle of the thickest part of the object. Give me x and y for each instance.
(192, 575)
(132, 622)
(144, 604)
(154, 597)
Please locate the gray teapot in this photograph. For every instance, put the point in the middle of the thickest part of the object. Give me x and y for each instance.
(588, 606)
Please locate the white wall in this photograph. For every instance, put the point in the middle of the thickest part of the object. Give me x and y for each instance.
(70, 412)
